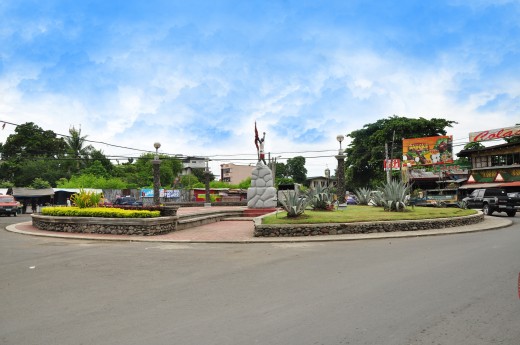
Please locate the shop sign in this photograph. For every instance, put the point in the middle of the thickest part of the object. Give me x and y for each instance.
(492, 134)
(394, 164)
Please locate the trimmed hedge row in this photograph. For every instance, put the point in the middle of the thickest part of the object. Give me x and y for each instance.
(102, 212)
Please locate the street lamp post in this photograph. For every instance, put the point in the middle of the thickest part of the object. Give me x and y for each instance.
(341, 172)
(206, 182)
(156, 175)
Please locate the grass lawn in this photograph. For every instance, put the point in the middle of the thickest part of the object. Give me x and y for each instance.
(366, 214)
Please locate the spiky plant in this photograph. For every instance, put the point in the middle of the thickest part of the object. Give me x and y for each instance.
(320, 198)
(376, 198)
(395, 195)
(293, 203)
(85, 198)
(363, 195)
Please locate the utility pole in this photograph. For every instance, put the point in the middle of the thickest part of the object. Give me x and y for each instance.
(388, 171)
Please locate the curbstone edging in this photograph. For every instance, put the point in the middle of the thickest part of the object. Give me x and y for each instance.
(296, 230)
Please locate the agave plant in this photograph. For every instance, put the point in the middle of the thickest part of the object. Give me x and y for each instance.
(293, 203)
(394, 194)
(320, 198)
(376, 198)
(363, 195)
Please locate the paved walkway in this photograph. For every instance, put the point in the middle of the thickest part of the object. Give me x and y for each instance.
(241, 231)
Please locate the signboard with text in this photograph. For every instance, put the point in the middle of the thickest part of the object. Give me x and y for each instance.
(428, 150)
(493, 134)
(394, 164)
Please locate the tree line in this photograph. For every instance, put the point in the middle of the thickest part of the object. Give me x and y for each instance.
(33, 157)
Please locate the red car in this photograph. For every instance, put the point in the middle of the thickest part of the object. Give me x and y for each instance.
(8, 205)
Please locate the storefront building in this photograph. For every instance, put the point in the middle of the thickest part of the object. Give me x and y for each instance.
(494, 166)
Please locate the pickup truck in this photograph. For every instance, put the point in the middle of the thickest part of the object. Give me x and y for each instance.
(492, 200)
(127, 201)
(8, 205)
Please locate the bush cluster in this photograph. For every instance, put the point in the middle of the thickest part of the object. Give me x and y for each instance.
(102, 212)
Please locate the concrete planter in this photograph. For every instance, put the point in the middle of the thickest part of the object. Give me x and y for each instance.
(293, 230)
(113, 226)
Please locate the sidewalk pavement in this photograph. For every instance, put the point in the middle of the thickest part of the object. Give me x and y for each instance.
(241, 231)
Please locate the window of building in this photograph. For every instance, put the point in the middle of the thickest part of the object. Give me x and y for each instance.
(481, 162)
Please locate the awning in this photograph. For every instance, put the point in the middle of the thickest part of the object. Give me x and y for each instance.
(77, 190)
(510, 184)
(479, 185)
(32, 193)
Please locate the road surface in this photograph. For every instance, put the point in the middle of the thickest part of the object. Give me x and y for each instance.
(453, 289)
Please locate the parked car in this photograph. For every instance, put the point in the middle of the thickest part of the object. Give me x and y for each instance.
(127, 201)
(352, 200)
(8, 205)
(492, 200)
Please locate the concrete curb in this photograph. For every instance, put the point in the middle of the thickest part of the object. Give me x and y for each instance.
(489, 223)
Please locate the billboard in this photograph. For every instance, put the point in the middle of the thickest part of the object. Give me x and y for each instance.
(493, 134)
(163, 193)
(428, 150)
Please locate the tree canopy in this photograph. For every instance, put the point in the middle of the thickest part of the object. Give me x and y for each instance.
(295, 168)
(366, 151)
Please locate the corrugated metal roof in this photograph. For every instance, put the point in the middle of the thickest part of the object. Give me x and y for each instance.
(77, 190)
(29, 192)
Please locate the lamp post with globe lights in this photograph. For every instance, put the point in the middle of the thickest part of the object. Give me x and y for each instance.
(341, 172)
(156, 175)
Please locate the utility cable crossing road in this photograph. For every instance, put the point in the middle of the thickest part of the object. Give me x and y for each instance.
(452, 289)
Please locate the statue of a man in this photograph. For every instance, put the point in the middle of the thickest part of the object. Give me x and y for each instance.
(259, 143)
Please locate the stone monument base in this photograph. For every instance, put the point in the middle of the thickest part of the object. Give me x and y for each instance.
(256, 212)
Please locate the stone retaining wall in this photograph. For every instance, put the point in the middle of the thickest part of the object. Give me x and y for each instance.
(114, 226)
(293, 230)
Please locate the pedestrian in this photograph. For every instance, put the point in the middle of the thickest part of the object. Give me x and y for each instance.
(68, 202)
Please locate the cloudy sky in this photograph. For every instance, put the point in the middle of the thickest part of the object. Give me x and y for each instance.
(196, 75)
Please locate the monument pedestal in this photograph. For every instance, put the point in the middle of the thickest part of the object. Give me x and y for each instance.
(257, 212)
(262, 193)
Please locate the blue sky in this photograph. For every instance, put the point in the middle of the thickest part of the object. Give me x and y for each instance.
(196, 75)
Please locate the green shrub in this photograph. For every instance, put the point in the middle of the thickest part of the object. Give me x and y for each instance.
(85, 199)
(363, 195)
(102, 212)
(394, 195)
(320, 198)
(293, 204)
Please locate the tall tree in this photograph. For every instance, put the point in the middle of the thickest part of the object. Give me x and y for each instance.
(366, 151)
(281, 170)
(76, 148)
(295, 168)
(32, 152)
(29, 141)
(98, 155)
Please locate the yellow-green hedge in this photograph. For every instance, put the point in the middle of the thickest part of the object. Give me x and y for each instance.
(98, 212)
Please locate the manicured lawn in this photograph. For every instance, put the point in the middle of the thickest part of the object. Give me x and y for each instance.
(366, 214)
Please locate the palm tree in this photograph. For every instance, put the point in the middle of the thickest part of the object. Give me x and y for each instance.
(75, 148)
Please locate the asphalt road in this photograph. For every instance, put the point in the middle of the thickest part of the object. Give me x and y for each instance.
(454, 289)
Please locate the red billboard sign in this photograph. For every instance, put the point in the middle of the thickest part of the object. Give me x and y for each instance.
(394, 164)
(492, 134)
